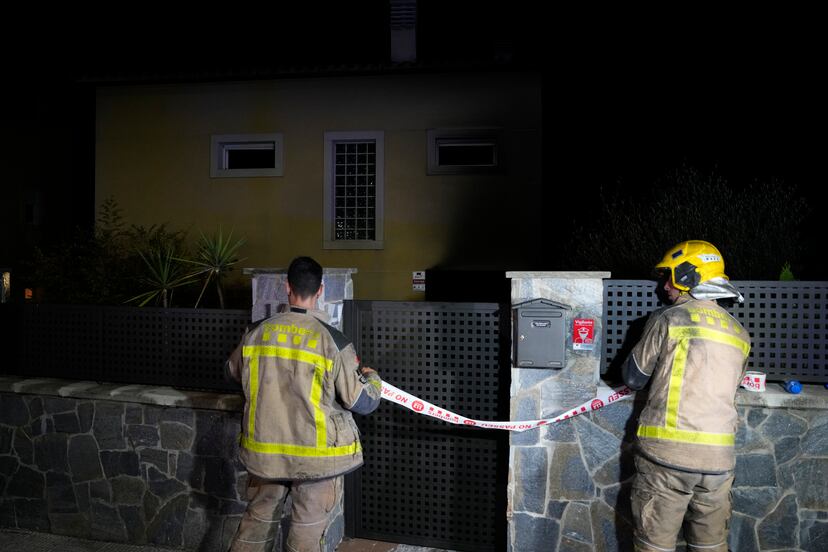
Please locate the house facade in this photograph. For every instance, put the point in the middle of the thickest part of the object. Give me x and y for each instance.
(388, 173)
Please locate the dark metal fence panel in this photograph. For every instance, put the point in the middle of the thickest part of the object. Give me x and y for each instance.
(154, 346)
(426, 482)
(135, 345)
(10, 343)
(62, 342)
(626, 305)
(786, 321)
(201, 338)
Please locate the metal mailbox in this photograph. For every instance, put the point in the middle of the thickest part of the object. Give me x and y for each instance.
(540, 337)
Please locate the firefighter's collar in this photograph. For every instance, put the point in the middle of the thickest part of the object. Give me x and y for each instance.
(716, 288)
(316, 313)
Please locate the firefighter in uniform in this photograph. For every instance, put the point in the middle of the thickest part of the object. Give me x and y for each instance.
(694, 355)
(301, 380)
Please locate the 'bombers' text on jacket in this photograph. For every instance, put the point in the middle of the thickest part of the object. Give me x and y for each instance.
(301, 380)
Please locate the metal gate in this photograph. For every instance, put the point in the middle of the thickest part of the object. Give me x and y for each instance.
(426, 482)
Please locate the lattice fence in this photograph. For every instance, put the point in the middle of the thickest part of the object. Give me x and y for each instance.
(786, 321)
(177, 347)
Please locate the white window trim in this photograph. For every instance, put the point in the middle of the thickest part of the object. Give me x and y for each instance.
(328, 241)
(465, 134)
(218, 141)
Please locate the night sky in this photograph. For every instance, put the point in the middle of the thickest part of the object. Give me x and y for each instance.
(743, 102)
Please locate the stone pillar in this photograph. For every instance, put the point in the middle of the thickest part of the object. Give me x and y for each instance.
(550, 485)
(270, 294)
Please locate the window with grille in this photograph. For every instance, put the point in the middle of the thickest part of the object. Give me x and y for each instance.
(354, 178)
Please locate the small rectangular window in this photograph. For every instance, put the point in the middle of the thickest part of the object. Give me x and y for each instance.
(463, 151)
(250, 156)
(246, 155)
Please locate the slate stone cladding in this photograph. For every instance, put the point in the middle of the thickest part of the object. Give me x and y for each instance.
(572, 484)
(120, 471)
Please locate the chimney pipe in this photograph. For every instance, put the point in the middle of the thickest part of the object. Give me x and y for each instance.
(403, 31)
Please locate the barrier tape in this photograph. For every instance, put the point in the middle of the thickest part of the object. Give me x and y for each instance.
(409, 401)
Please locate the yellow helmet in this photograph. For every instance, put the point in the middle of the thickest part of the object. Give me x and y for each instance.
(692, 262)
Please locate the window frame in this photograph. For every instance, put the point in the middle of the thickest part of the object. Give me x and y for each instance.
(331, 139)
(218, 142)
(486, 135)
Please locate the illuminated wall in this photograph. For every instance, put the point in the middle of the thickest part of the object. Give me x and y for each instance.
(153, 157)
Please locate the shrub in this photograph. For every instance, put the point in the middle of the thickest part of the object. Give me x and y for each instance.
(756, 228)
(113, 264)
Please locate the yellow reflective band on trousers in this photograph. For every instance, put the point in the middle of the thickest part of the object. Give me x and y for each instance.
(670, 431)
(321, 365)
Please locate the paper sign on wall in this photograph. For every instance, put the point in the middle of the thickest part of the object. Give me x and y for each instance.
(583, 334)
(418, 280)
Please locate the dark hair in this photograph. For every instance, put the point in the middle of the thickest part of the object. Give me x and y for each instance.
(304, 276)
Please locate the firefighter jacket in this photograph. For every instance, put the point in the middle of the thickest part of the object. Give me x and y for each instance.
(301, 380)
(695, 354)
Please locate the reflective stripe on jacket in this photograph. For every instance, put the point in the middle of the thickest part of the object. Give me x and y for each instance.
(301, 380)
(695, 353)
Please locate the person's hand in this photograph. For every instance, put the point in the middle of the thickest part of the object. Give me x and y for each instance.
(367, 371)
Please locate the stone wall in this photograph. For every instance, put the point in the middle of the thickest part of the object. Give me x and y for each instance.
(569, 483)
(780, 493)
(103, 466)
(573, 480)
(119, 471)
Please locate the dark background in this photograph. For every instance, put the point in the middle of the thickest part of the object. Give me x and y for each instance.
(626, 96)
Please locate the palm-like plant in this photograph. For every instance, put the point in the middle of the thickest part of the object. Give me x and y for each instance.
(164, 274)
(214, 258)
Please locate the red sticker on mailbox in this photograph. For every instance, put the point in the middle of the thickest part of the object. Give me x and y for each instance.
(583, 334)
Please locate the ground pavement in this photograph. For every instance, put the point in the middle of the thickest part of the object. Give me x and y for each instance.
(17, 540)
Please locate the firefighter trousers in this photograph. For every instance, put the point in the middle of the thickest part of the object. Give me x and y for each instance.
(663, 499)
(313, 503)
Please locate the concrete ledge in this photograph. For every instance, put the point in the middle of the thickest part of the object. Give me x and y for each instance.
(559, 275)
(251, 271)
(142, 394)
(814, 396)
